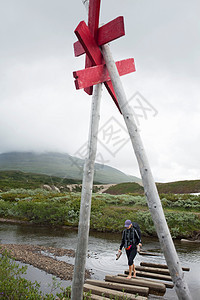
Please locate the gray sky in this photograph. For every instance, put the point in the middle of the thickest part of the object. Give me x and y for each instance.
(40, 110)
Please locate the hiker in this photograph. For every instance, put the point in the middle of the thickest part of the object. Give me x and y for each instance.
(131, 238)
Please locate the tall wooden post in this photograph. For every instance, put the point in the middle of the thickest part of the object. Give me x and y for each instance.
(86, 195)
(150, 189)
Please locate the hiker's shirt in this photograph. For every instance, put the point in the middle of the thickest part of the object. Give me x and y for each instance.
(130, 238)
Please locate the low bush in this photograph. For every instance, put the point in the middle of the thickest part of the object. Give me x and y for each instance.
(108, 212)
(14, 286)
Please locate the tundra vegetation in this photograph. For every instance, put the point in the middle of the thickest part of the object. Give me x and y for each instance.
(108, 212)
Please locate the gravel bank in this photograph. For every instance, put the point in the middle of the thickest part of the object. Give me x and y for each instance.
(37, 256)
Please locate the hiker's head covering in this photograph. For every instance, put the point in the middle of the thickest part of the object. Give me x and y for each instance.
(128, 223)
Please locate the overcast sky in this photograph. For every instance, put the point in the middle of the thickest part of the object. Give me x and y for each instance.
(40, 109)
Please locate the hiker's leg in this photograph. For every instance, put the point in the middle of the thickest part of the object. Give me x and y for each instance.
(130, 271)
(132, 254)
(134, 271)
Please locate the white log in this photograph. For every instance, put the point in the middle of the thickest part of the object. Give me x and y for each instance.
(86, 195)
(150, 189)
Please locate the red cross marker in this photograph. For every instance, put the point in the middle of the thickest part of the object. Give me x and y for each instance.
(90, 38)
(105, 34)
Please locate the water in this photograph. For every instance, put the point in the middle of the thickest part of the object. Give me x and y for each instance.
(101, 254)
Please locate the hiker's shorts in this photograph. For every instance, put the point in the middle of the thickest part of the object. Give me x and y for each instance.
(131, 254)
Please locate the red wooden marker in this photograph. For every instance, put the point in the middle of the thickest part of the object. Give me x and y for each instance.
(93, 24)
(99, 73)
(88, 42)
(107, 33)
(92, 50)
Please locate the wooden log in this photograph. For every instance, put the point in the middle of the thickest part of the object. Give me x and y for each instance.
(154, 287)
(190, 241)
(150, 188)
(151, 275)
(94, 297)
(149, 281)
(111, 294)
(153, 270)
(86, 196)
(160, 266)
(125, 287)
(148, 253)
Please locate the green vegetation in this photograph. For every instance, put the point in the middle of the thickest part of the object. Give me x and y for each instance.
(177, 187)
(108, 212)
(14, 286)
(18, 179)
(125, 188)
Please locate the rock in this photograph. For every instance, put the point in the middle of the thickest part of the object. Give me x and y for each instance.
(47, 187)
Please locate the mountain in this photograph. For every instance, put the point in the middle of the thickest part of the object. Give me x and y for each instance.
(60, 165)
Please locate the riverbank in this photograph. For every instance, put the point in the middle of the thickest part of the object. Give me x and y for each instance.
(43, 258)
(194, 238)
(101, 258)
(108, 213)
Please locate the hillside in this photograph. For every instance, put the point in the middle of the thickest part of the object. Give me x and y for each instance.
(177, 187)
(17, 179)
(125, 188)
(60, 165)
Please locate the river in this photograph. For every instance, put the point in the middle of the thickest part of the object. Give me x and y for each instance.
(101, 254)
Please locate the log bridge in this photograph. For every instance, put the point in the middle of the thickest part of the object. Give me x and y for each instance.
(150, 278)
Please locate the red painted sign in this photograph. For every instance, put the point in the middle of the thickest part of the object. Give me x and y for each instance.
(99, 73)
(93, 24)
(106, 33)
(90, 38)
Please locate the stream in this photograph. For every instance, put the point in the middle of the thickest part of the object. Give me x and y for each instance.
(101, 254)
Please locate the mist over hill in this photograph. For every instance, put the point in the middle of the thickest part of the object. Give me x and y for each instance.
(60, 165)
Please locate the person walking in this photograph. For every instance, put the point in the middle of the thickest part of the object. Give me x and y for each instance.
(131, 238)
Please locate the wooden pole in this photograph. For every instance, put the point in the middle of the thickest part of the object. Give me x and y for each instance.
(86, 195)
(150, 189)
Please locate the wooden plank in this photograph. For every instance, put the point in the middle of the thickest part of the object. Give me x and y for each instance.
(167, 284)
(154, 287)
(93, 17)
(128, 288)
(110, 293)
(98, 74)
(106, 33)
(93, 24)
(160, 266)
(94, 297)
(149, 253)
(78, 49)
(151, 275)
(153, 270)
(88, 42)
(111, 31)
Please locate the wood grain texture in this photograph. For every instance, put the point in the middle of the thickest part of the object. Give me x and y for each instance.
(106, 33)
(93, 24)
(98, 74)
